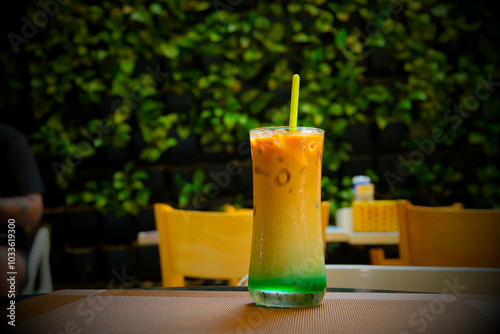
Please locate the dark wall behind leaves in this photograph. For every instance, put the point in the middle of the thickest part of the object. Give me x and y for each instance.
(131, 102)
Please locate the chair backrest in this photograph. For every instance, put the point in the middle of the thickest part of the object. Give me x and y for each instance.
(449, 236)
(445, 236)
(447, 280)
(203, 244)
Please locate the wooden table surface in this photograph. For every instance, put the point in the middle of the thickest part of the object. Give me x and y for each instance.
(232, 310)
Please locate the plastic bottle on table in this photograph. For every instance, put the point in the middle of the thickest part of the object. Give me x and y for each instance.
(362, 188)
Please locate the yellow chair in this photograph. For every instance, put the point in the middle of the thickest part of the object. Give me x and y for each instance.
(445, 236)
(203, 244)
(207, 244)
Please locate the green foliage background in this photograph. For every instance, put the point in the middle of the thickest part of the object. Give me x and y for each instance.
(230, 64)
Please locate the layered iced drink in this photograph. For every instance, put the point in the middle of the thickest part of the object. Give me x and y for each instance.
(287, 267)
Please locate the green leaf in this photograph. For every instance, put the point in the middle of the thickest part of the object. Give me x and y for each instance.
(419, 95)
(260, 103)
(244, 42)
(301, 38)
(313, 10)
(405, 104)
(276, 9)
(155, 8)
(137, 185)
(169, 50)
(214, 37)
(198, 176)
(339, 125)
(140, 175)
(117, 184)
(87, 196)
(127, 65)
(277, 33)
(318, 119)
(71, 199)
(350, 109)
(100, 201)
(335, 109)
(142, 16)
(439, 10)
(167, 143)
(249, 95)
(183, 132)
(252, 55)
(123, 195)
(202, 5)
(340, 37)
(130, 207)
(183, 200)
(262, 23)
(293, 8)
(406, 117)
(476, 138)
(119, 176)
(208, 188)
(143, 196)
(95, 85)
(230, 120)
(382, 121)
(473, 188)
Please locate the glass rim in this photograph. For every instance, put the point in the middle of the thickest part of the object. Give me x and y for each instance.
(287, 127)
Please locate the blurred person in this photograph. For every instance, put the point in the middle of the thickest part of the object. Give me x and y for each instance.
(21, 190)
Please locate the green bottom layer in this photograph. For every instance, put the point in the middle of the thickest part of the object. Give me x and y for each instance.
(288, 293)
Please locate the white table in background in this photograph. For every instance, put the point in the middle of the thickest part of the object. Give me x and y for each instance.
(343, 232)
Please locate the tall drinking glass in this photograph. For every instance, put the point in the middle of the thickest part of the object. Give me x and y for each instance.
(287, 266)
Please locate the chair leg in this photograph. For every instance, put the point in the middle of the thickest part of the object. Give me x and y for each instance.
(377, 257)
(39, 263)
(233, 281)
(173, 280)
(45, 272)
(243, 281)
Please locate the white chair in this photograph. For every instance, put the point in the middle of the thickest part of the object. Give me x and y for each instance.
(466, 280)
(39, 263)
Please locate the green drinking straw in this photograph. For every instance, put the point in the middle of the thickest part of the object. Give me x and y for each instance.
(294, 103)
